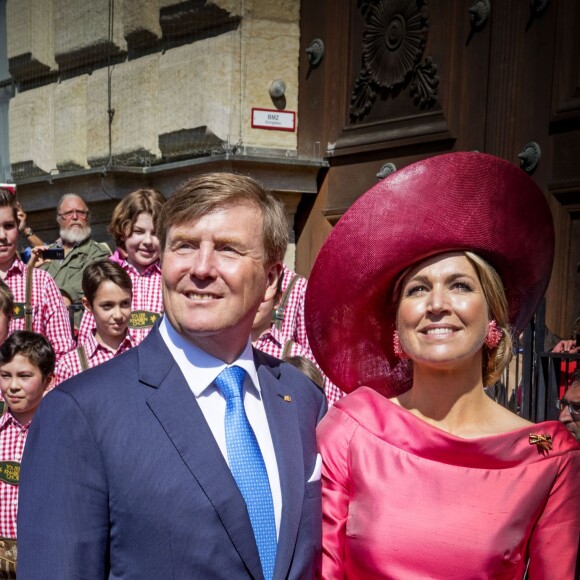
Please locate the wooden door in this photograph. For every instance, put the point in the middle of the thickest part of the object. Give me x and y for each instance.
(401, 80)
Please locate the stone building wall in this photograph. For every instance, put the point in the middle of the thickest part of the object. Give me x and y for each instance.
(182, 79)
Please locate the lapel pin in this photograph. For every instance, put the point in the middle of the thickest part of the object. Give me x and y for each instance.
(285, 398)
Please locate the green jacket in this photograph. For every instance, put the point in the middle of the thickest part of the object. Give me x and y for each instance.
(68, 273)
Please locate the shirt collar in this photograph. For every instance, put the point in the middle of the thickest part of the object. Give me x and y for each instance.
(91, 344)
(200, 368)
(7, 419)
(17, 266)
(272, 335)
(151, 269)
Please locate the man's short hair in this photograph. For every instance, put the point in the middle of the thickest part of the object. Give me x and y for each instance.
(575, 378)
(33, 347)
(104, 271)
(69, 196)
(6, 299)
(9, 200)
(206, 193)
(130, 208)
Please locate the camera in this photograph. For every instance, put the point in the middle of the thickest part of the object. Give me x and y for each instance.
(53, 254)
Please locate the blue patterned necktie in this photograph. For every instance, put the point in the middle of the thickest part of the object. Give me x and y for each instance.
(248, 467)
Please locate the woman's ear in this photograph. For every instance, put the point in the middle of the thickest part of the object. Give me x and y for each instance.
(86, 304)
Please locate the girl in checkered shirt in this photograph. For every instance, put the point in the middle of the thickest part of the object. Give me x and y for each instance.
(133, 226)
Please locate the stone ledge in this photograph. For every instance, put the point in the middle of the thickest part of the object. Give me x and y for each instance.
(192, 17)
(188, 143)
(26, 170)
(25, 67)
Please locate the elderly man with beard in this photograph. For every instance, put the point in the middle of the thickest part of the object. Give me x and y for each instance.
(73, 217)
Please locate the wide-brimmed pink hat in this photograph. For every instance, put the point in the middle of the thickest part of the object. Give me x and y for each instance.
(458, 201)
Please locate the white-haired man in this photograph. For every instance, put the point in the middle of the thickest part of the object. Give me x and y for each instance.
(73, 218)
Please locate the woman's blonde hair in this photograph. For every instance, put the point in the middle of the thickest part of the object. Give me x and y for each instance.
(496, 359)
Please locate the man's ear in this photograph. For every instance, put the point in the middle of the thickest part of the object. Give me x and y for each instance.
(273, 275)
(86, 304)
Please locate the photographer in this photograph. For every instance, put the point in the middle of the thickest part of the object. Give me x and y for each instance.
(73, 218)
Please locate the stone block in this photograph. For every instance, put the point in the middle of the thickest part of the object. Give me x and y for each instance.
(31, 120)
(276, 10)
(199, 89)
(30, 38)
(195, 17)
(270, 51)
(70, 124)
(82, 38)
(141, 23)
(134, 87)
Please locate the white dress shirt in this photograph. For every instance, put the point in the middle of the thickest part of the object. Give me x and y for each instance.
(200, 369)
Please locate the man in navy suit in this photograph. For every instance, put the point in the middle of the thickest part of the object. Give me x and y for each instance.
(139, 468)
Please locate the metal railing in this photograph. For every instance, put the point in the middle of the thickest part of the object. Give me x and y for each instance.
(535, 378)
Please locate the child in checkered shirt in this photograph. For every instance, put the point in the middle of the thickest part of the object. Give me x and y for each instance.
(26, 371)
(134, 229)
(107, 296)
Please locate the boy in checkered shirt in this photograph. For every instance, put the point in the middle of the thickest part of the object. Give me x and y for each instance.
(49, 314)
(26, 371)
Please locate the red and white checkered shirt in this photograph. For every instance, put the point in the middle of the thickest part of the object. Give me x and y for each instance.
(49, 314)
(294, 328)
(12, 439)
(146, 299)
(70, 364)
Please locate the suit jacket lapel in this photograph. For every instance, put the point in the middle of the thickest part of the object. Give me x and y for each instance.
(285, 430)
(175, 407)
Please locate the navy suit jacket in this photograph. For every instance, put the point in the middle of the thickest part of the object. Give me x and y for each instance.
(122, 478)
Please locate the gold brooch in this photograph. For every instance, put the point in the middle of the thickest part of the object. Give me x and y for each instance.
(544, 442)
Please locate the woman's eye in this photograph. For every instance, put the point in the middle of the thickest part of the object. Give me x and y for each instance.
(462, 286)
(413, 290)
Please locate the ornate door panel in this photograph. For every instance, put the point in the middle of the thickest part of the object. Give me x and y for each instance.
(397, 85)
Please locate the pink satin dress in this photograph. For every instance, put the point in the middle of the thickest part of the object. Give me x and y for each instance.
(405, 500)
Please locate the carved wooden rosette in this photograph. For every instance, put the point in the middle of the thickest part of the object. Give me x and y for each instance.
(393, 44)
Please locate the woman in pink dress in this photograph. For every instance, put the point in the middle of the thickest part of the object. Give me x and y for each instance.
(424, 475)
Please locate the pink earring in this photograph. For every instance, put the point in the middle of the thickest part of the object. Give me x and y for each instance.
(493, 335)
(397, 349)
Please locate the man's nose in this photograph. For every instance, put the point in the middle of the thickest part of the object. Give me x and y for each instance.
(564, 416)
(203, 263)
